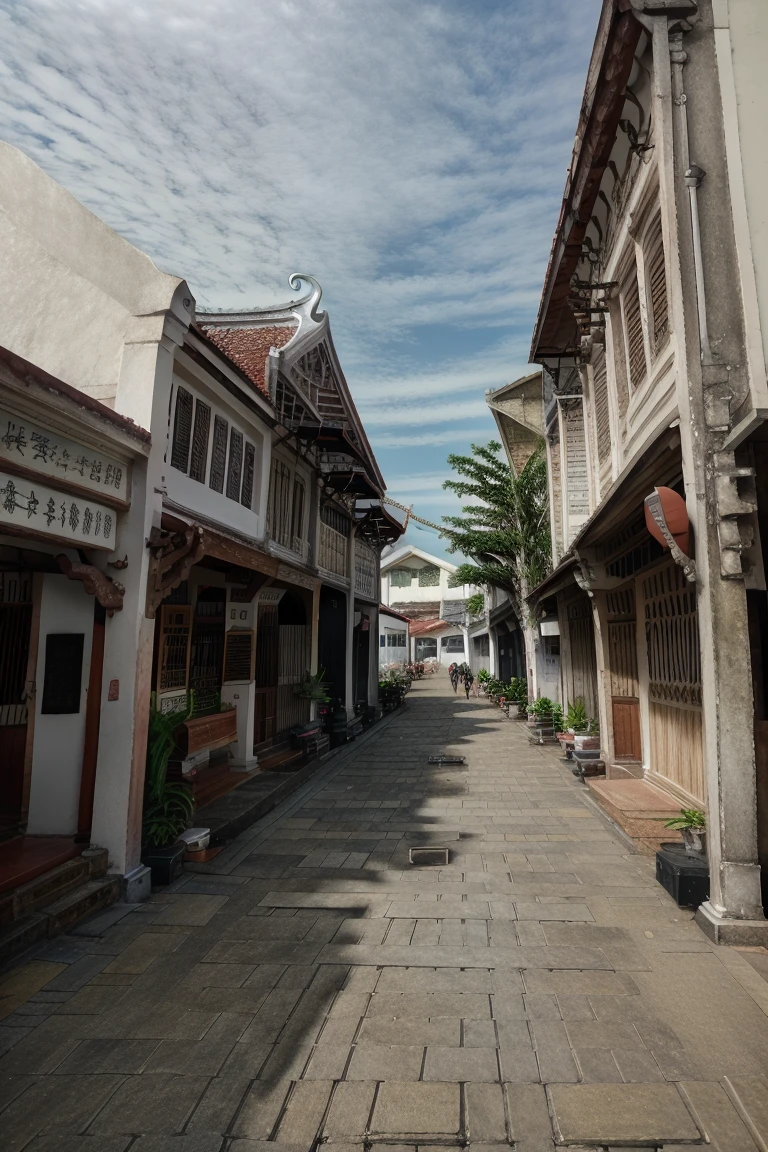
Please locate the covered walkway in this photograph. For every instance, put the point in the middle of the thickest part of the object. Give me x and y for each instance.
(311, 985)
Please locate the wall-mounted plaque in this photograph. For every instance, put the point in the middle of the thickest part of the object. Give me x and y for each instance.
(63, 673)
(35, 507)
(44, 451)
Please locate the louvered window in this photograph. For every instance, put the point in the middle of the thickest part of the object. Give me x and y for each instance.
(279, 504)
(656, 280)
(235, 470)
(600, 399)
(218, 454)
(200, 432)
(249, 465)
(182, 430)
(633, 326)
(297, 515)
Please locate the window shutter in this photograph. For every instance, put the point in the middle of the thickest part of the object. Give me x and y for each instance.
(657, 281)
(249, 464)
(182, 430)
(238, 653)
(218, 454)
(199, 458)
(600, 395)
(297, 514)
(173, 657)
(634, 328)
(235, 470)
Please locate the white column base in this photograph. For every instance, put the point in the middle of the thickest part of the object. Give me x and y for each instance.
(136, 886)
(244, 764)
(728, 930)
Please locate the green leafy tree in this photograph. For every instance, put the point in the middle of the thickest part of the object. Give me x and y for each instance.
(505, 529)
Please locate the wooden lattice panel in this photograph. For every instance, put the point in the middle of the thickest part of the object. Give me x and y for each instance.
(238, 655)
(600, 400)
(218, 454)
(633, 324)
(182, 430)
(672, 638)
(199, 458)
(173, 657)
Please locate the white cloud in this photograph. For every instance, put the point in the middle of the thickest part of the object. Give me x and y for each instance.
(410, 156)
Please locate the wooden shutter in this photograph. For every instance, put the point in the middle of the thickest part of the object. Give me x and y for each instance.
(173, 657)
(218, 454)
(633, 322)
(657, 284)
(235, 469)
(249, 463)
(238, 654)
(600, 400)
(182, 430)
(199, 460)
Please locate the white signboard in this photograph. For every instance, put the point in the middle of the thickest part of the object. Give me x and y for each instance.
(38, 508)
(55, 456)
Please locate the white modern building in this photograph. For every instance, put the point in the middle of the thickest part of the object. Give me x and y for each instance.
(419, 586)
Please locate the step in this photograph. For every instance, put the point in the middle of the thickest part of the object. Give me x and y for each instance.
(57, 917)
(51, 885)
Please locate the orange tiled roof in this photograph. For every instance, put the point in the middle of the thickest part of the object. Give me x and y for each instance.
(248, 348)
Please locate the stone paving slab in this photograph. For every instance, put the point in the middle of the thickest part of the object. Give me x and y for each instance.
(308, 984)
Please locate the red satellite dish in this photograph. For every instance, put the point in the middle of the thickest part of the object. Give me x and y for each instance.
(676, 516)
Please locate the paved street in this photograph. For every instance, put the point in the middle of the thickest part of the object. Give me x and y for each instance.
(312, 985)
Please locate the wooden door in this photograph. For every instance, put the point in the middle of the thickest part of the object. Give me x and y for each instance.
(15, 628)
(267, 657)
(583, 663)
(623, 679)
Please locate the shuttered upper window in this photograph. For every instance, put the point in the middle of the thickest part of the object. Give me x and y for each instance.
(199, 459)
(600, 399)
(182, 430)
(656, 280)
(235, 469)
(218, 454)
(633, 328)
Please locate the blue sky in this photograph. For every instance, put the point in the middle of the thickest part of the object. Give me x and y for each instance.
(411, 156)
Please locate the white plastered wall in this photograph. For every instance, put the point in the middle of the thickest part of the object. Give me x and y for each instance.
(57, 759)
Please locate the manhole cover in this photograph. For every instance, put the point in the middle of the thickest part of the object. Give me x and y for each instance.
(447, 760)
(428, 855)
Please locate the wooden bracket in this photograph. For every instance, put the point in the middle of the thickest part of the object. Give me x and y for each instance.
(173, 555)
(109, 593)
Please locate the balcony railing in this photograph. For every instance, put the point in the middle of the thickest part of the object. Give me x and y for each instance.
(365, 570)
(333, 551)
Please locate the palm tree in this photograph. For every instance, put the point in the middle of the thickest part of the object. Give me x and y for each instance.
(505, 530)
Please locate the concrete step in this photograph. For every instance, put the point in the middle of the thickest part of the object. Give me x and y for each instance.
(58, 915)
(51, 885)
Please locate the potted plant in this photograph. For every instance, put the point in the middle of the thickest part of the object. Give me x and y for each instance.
(692, 823)
(576, 719)
(540, 712)
(484, 679)
(168, 804)
(588, 740)
(313, 687)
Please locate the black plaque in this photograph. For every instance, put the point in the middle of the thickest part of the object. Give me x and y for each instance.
(63, 673)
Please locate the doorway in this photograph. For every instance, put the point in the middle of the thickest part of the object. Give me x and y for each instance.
(15, 631)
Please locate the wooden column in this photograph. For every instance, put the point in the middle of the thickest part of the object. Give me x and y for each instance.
(92, 723)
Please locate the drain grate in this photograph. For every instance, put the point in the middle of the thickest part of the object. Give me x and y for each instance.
(428, 856)
(447, 760)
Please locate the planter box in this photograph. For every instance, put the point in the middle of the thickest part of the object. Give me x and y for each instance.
(164, 863)
(207, 732)
(586, 743)
(685, 876)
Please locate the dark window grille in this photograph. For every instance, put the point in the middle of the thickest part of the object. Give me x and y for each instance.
(279, 497)
(218, 454)
(235, 470)
(199, 460)
(182, 430)
(249, 464)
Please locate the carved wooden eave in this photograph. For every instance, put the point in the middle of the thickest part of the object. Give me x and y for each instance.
(377, 528)
(304, 377)
(109, 593)
(172, 557)
(622, 22)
